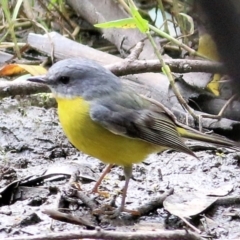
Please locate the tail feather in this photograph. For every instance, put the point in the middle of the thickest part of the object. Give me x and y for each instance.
(218, 140)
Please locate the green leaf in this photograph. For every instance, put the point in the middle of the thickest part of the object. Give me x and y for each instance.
(16, 9)
(135, 22)
(141, 23)
(122, 23)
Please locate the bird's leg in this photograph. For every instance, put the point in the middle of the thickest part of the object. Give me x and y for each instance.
(128, 174)
(105, 171)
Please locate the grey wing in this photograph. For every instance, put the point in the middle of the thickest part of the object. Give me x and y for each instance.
(151, 126)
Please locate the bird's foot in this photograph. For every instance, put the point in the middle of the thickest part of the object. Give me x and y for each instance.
(104, 194)
(113, 212)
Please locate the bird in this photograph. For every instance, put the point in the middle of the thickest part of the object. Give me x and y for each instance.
(105, 119)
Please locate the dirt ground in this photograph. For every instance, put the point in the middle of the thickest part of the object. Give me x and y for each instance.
(32, 142)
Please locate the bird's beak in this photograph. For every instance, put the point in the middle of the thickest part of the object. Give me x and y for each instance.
(38, 79)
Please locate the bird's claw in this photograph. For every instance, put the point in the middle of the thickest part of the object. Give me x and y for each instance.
(112, 214)
(108, 210)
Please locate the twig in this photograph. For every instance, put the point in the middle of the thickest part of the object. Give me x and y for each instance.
(85, 199)
(189, 224)
(136, 51)
(154, 203)
(230, 200)
(220, 114)
(226, 105)
(121, 68)
(68, 218)
(102, 234)
(8, 88)
(176, 65)
(177, 42)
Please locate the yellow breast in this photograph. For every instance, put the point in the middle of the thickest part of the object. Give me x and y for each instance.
(94, 140)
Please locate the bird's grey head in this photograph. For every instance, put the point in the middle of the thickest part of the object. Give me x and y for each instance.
(74, 77)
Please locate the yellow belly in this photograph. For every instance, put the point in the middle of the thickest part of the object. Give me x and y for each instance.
(94, 140)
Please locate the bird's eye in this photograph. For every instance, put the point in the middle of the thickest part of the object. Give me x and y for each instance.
(64, 80)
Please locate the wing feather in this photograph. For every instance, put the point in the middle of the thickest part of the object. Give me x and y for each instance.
(143, 123)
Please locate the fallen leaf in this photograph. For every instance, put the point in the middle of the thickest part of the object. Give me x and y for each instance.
(11, 69)
(184, 204)
(34, 69)
(16, 69)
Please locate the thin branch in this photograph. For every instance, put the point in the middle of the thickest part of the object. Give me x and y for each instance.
(153, 204)
(102, 234)
(136, 51)
(176, 65)
(8, 89)
(125, 67)
(228, 200)
(230, 100)
(68, 218)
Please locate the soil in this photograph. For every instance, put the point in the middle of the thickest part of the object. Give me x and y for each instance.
(32, 142)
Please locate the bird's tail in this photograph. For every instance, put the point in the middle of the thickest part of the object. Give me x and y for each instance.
(215, 139)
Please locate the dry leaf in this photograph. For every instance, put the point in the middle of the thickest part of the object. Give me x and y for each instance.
(184, 204)
(16, 69)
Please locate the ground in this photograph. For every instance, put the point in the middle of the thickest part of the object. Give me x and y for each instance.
(32, 141)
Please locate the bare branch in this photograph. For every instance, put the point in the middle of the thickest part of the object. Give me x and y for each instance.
(125, 67)
(68, 218)
(177, 65)
(102, 234)
(13, 88)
